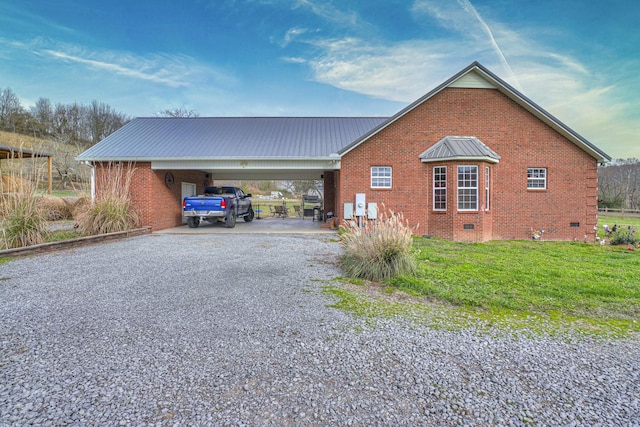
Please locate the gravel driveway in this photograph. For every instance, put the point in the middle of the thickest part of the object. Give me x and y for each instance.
(151, 331)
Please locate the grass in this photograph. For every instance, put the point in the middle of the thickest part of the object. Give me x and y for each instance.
(536, 286)
(112, 210)
(573, 278)
(61, 235)
(379, 249)
(610, 220)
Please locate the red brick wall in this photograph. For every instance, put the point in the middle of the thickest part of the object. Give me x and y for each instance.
(158, 205)
(329, 192)
(518, 137)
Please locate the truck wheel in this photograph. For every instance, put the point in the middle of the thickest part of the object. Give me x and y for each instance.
(193, 222)
(249, 216)
(230, 222)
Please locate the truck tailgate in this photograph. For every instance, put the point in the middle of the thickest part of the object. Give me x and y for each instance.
(203, 204)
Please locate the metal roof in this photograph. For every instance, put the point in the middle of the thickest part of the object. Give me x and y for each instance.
(159, 138)
(459, 148)
(481, 72)
(7, 152)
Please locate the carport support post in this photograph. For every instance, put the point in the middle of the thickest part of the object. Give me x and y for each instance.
(50, 173)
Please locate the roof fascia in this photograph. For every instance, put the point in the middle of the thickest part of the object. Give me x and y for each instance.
(189, 159)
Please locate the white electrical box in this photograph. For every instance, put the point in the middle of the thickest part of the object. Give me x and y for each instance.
(372, 211)
(360, 204)
(348, 211)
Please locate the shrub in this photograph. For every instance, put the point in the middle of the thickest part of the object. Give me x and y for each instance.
(55, 207)
(24, 220)
(112, 209)
(624, 237)
(79, 205)
(378, 249)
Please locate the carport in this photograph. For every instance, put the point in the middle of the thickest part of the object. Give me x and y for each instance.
(7, 152)
(177, 157)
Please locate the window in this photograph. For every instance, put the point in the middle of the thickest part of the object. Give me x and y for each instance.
(486, 188)
(440, 188)
(381, 177)
(467, 188)
(537, 178)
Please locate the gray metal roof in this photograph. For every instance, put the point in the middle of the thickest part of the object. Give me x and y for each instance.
(158, 138)
(459, 147)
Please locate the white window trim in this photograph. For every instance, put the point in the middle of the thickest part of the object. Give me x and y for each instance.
(458, 188)
(440, 188)
(543, 180)
(487, 176)
(390, 177)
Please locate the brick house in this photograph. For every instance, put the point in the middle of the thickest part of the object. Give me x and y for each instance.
(472, 160)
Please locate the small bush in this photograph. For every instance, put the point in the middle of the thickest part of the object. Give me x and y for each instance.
(79, 205)
(379, 249)
(112, 210)
(24, 220)
(55, 207)
(624, 237)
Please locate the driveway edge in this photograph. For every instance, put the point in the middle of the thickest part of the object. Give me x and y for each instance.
(72, 243)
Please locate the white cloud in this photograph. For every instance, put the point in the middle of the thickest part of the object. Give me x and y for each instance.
(292, 34)
(148, 71)
(171, 70)
(580, 95)
(325, 10)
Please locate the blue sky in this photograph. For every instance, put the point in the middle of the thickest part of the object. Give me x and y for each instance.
(578, 59)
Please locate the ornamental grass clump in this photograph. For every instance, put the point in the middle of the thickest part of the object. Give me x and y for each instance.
(23, 218)
(377, 249)
(112, 210)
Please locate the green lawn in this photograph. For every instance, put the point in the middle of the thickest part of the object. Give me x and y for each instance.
(610, 220)
(573, 278)
(524, 285)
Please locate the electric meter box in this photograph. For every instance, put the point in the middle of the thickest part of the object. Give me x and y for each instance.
(361, 206)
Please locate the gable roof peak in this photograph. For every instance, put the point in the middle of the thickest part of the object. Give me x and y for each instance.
(485, 79)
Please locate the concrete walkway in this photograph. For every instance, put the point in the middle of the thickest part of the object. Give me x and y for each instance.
(268, 225)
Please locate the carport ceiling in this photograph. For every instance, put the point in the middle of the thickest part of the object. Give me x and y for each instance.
(254, 169)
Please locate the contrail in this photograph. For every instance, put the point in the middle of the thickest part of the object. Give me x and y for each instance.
(468, 7)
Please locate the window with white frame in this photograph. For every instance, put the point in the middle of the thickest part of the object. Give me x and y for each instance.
(486, 188)
(381, 177)
(440, 188)
(537, 178)
(467, 188)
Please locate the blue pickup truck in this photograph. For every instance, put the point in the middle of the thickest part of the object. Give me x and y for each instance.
(218, 204)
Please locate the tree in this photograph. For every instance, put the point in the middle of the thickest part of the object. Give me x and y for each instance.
(102, 121)
(301, 187)
(64, 163)
(178, 112)
(10, 110)
(43, 114)
(619, 184)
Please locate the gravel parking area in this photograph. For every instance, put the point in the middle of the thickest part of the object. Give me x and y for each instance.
(194, 330)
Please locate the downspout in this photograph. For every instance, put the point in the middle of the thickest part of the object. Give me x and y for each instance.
(93, 181)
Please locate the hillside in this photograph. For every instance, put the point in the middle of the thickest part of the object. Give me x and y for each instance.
(23, 141)
(68, 175)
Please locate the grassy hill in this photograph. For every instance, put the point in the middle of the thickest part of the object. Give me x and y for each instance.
(69, 177)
